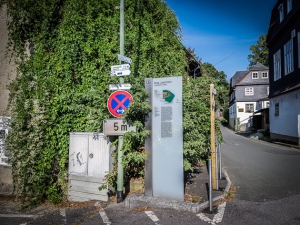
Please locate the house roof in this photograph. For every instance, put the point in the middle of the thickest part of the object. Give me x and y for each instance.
(237, 77)
(259, 66)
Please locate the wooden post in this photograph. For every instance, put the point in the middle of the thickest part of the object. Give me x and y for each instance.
(212, 137)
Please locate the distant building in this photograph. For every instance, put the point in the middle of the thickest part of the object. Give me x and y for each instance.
(248, 97)
(193, 68)
(284, 59)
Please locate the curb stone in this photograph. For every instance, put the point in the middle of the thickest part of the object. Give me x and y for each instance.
(141, 200)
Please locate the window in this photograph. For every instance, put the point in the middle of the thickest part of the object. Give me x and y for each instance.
(268, 90)
(276, 109)
(264, 74)
(249, 108)
(277, 65)
(288, 57)
(249, 91)
(281, 13)
(267, 104)
(289, 6)
(254, 75)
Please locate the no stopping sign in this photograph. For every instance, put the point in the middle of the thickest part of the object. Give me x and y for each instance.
(118, 102)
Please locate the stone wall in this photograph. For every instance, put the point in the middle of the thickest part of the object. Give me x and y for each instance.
(7, 66)
(6, 183)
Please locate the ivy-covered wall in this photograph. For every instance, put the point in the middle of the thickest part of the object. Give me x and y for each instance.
(62, 86)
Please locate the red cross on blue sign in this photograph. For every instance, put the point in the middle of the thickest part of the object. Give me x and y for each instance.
(118, 102)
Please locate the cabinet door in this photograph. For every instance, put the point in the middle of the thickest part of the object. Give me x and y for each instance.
(98, 162)
(78, 154)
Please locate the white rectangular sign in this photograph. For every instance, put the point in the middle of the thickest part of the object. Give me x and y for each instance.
(115, 87)
(124, 58)
(121, 73)
(116, 127)
(120, 67)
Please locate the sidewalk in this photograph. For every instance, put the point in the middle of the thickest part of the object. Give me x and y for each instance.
(251, 134)
(196, 194)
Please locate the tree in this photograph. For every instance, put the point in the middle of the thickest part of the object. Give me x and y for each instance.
(221, 84)
(260, 52)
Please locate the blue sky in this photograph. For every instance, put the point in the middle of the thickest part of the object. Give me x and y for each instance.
(221, 31)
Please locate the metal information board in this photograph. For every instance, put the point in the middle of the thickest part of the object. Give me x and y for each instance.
(164, 175)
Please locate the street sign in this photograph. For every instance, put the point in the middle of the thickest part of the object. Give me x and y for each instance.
(121, 73)
(118, 102)
(214, 91)
(120, 67)
(124, 58)
(114, 87)
(116, 127)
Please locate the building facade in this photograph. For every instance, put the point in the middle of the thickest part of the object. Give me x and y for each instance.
(284, 59)
(248, 94)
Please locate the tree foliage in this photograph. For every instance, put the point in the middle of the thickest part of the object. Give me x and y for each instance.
(222, 86)
(196, 121)
(260, 52)
(63, 86)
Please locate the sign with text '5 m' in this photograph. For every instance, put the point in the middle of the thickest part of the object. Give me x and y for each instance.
(118, 102)
(116, 127)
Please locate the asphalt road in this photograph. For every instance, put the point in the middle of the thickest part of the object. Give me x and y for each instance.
(260, 171)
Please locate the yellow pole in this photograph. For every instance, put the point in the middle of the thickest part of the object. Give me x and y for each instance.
(212, 137)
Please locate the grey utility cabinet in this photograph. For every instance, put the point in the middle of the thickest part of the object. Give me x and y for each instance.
(89, 162)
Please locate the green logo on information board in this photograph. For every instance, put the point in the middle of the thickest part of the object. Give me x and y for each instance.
(168, 96)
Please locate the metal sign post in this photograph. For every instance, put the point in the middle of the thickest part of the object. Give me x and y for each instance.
(210, 186)
(220, 161)
(120, 181)
(117, 104)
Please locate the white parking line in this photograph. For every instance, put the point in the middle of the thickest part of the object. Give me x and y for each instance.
(152, 216)
(16, 216)
(63, 214)
(217, 218)
(104, 216)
